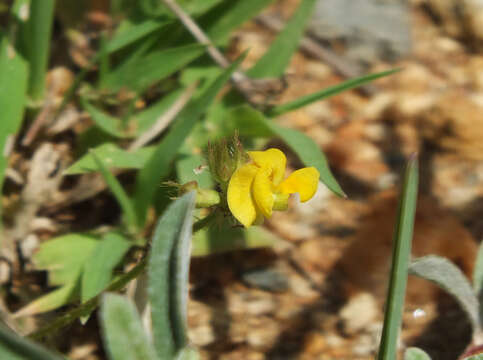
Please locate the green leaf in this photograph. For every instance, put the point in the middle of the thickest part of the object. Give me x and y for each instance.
(15, 347)
(13, 88)
(274, 62)
(39, 39)
(414, 353)
(113, 157)
(123, 333)
(64, 257)
(219, 22)
(158, 166)
(53, 300)
(478, 272)
(330, 91)
(474, 357)
(119, 193)
(403, 234)
(143, 120)
(449, 277)
(99, 266)
(251, 122)
(128, 35)
(168, 276)
(106, 122)
(152, 67)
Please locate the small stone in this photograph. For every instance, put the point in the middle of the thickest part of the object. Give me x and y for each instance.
(315, 343)
(266, 279)
(359, 312)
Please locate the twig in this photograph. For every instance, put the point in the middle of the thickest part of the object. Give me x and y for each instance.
(316, 50)
(165, 119)
(241, 81)
(39, 122)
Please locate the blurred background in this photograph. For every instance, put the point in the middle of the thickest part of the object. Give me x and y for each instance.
(318, 291)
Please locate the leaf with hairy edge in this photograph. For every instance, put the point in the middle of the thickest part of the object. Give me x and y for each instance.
(328, 92)
(159, 164)
(274, 62)
(168, 276)
(124, 335)
(478, 272)
(449, 277)
(414, 353)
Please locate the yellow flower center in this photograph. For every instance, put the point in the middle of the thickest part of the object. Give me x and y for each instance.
(257, 188)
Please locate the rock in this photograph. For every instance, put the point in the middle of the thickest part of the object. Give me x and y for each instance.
(359, 313)
(372, 29)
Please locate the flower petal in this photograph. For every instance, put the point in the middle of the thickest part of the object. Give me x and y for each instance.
(239, 194)
(262, 192)
(272, 159)
(303, 181)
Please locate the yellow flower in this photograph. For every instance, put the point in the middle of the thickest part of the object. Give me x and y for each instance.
(257, 188)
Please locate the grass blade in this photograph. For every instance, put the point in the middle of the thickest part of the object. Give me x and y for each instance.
(400, 260)
(40, 26)
(325, 93)
(119, 193)
(13, 88)
(123, 333)
(159, 165)
(15, 347)
(168, 276)
(274, 62)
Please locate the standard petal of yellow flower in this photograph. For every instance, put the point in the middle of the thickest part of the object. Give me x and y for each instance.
(273, 159)
(239, 195)
(262, 192)
(303, 181)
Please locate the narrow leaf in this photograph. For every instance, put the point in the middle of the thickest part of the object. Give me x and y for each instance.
(168, 276)
(15, 347)
(106, 122)
(51, 301)
(152, 67)
(330, 91)
(158, 166)
(400, 260)
(123, 332)
(98, 268)
(119, 193)
(415, 354)
(274, 62)
(449, 277)
(113, 157)
(127, 36)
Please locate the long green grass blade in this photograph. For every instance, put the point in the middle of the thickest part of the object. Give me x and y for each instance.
(400, 261)
(123, 333)
(168, 276)
(159, 165)
(325, 93)
(13, 88)
(118, 192)
(15, 347)
(274, 62)
(40, 26)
